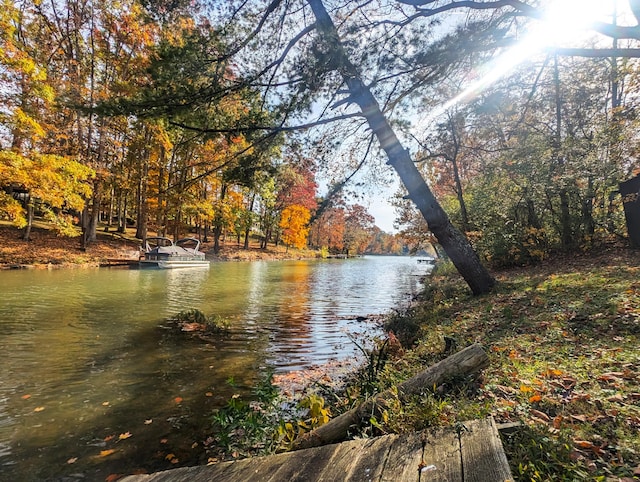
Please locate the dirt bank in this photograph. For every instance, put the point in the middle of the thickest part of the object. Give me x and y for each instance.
(47, 250)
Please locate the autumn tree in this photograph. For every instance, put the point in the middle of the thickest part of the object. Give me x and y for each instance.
(294, 222)
(56, 184)
(328, 229)
(359, 225)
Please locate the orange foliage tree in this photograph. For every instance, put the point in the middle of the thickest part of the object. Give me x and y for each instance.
(294, 222)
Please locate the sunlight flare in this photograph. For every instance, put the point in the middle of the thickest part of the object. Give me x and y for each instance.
(564, 22)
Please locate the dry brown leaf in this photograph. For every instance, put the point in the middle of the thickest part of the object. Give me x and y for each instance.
(579, 418)
(541, 415)
(124, 436)
(585, 444)
(557, 421)
(616, 398)
(105, 453)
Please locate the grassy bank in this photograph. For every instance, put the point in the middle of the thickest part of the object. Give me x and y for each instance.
(565, 364)
(565, 370)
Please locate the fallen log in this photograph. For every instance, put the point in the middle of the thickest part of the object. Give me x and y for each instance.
(466, 361)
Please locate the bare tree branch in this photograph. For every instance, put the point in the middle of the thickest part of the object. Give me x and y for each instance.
(274, 129)
(596, 53)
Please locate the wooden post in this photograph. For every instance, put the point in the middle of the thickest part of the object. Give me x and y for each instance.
(466, 361)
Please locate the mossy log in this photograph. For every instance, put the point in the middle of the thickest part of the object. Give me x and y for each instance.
(466, 361)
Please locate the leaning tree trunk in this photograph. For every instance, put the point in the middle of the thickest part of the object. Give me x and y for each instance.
(454, 243)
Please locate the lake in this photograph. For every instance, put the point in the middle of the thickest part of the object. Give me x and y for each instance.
(90, 365)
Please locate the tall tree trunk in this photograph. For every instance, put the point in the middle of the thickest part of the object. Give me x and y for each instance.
(143, 204)
(161, 217)
(247, 231)
(466, 225)
(566, 233)
(217, 227)
(94, 212)
(455, 244)
(26, 236)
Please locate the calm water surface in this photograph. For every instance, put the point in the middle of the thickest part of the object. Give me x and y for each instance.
(86, 356)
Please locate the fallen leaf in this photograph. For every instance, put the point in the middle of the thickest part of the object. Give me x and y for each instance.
(541, 415)
(38, 409)
(26, 397)
(105, 404)
(148, 421)
(526, 389)
(108, 438)
(535, 398)
(194, 445)
(576, 397)
(105, 453)
(170, 456)
(174, 461)
(579, 418)
(113, 477)
(585, 444)
(557, 421)
(164, 440)
(209, 394)
(72, 460)
(124, 436)
(178, 399)
(611, 377)
(552, 372)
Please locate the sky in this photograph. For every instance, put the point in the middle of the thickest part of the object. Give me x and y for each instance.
(383, 211)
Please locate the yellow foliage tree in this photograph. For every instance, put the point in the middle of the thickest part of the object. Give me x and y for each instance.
(294, 222)
(56, 182)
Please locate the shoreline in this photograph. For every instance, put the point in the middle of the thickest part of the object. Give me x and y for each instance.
(48, 251)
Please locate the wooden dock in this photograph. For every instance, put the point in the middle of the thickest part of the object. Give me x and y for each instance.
(472, 452)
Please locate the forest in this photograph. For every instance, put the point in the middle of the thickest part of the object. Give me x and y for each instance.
(218, 118)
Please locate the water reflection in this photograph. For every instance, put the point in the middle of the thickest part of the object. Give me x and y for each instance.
(86, 356)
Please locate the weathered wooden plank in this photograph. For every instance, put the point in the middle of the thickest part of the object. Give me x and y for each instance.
(476, 454)
(370, 464)
(404, 459)
(258, 469)
(304, 466)
(356, 458)
(483, 458)
(182, 474)
(441, 458)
